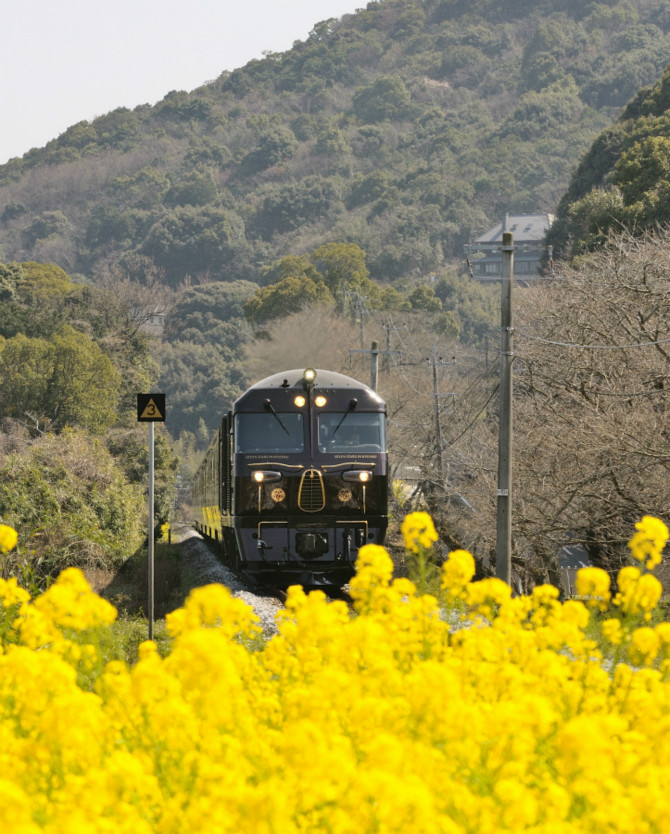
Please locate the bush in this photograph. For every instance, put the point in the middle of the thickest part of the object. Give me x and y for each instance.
(70, 504)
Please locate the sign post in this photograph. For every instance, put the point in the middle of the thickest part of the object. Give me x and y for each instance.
(151, 409)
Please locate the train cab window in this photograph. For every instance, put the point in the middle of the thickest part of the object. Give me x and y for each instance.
(347, 431)
(269, 432)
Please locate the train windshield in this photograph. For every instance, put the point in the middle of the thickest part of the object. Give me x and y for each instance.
(348, 431)
(269, 432)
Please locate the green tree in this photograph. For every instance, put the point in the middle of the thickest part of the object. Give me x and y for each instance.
(210, 313)
(385, 98)
(423, 298)
(84, 386)
(290, 295)
(342, 265)
(294, 205)
(201, 381)
(645, 167)
(197, 188)
(290, 266)
(65, 381)
(49, 225)
(196, 241)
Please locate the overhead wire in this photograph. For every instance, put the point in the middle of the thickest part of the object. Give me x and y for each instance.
(576, 345)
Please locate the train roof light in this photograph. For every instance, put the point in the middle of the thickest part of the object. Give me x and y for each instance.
(308, 377)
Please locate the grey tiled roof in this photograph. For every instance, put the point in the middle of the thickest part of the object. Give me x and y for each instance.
(524, 227)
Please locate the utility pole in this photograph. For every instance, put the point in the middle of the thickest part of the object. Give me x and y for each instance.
(374, 361)
(374, 365)
(436, 398)
(505, 446)
(386, 358)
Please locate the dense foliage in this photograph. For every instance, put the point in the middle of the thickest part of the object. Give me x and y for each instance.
(73, 461)
(474, 713)
(405, 128)
(624, 179)
(71, 503)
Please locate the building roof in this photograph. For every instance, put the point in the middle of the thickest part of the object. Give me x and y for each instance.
(524, 227)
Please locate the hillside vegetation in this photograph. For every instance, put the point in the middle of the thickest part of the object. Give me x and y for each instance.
(623, 180)
(73, 460)
(405, 128)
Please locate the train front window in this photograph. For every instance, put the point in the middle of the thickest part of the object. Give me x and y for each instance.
(349, 431)
(269, 432)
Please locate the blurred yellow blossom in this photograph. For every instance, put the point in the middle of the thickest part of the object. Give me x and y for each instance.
(457, 571)
(593, 584)
(644, 645)
(647, 544)
(11, 594)
(418, 532)
(612, 631)
(638, 592)
(8, 538)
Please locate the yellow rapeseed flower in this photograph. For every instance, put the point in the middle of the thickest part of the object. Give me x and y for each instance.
(8, 538)
(593, 584)
(644, 646)
(418, 532)
(457, 571)
(383, 720)
(11, 594)
(647, 544)
(612, 630)
(638, 593)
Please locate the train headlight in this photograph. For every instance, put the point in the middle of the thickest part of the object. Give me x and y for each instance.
(361, 476)
(264, 476)
(320, 401)
(299, 401)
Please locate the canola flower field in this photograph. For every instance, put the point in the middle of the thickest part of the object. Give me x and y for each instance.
(469, 711)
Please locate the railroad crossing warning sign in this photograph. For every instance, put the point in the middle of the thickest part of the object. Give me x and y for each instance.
(151, 408)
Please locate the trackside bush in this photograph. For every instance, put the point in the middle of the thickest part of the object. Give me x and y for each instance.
(473, 712)
(70, 503)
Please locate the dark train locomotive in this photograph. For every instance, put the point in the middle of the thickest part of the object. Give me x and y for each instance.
(295, 480)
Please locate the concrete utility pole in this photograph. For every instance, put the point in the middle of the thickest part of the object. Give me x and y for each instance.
(505, 435)
(436, 397)
(374, 362)
(374, 365)
(386, 357)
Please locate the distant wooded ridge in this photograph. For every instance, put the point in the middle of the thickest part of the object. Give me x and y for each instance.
(407, 128)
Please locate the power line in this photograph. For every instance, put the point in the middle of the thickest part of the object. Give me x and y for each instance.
(592, 347)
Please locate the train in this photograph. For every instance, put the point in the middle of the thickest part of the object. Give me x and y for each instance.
(295, 480)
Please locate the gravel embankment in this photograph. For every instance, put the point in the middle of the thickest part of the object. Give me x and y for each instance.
(201, 567)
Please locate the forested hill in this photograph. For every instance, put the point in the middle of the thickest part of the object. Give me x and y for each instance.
(405, 128)
(623, 181)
